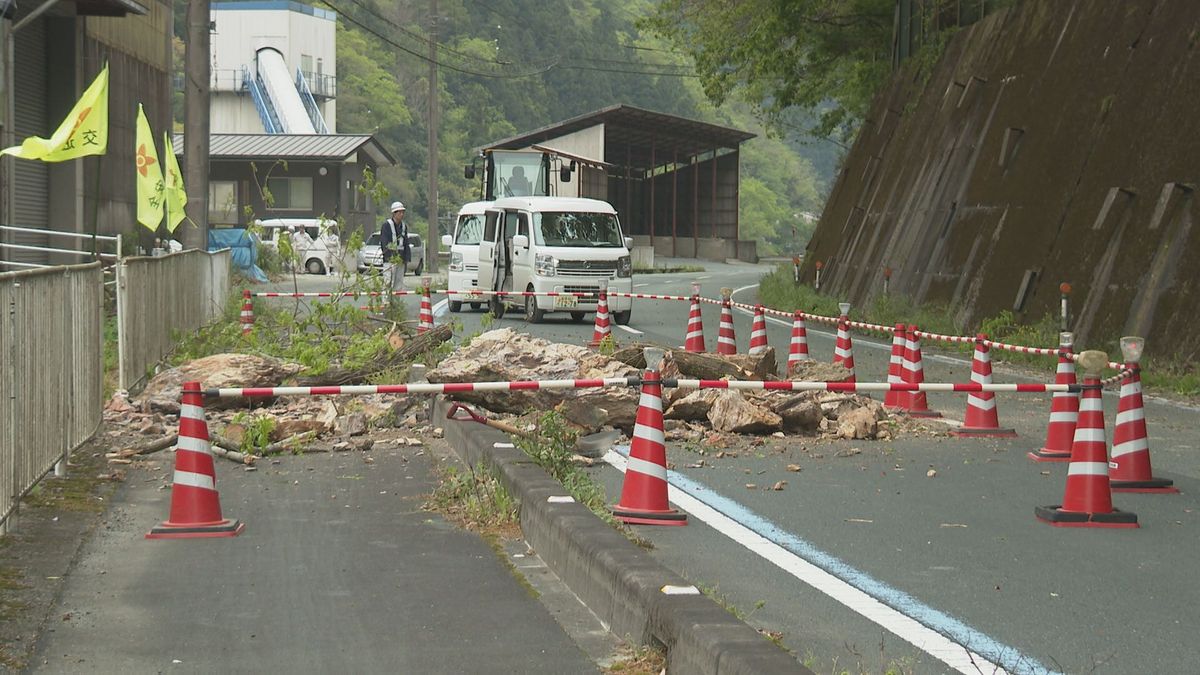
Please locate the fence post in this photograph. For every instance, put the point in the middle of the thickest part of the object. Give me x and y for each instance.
(122, 328)
(10, 421)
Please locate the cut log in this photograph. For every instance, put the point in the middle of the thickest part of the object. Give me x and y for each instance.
(411, 349)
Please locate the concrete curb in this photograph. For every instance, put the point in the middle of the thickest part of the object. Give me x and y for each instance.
(618, 581)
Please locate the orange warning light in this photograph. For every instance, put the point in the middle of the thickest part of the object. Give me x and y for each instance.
(1064, 288)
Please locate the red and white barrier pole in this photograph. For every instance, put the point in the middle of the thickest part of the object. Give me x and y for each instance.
(866, 387)
(726, 340)
(441, 388)
(247, 318)
(1064, 408)
(694, 338)
(982, 418)
(1130, 463)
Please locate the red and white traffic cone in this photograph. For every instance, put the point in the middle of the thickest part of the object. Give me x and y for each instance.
(247, 317)
(602, 328)
(726, 340)
(1064, 409)
(195, 505)
(913, 372)
(426, 323)
(644, 493)
(694, 341)
(843, 351)
(1087, 501)
(798, 352)
(1130, 463)
(894, 400)
(758, 332)
(982, 418)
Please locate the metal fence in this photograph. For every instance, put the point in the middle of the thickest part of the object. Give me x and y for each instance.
(51, 377)
(159, 298)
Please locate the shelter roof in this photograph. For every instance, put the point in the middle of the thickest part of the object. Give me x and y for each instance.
(291, 146)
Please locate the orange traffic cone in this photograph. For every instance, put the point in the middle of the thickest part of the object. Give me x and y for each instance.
(1087, 501)
(894, 399)
(426, 323)
(195, 505)
(843, 351)
(247, 317)
(913, 372)
(601, 329)
(694, 340)
(1130, 464)
(644, 494)
(799, 347)
(1064, 409)
(982, 418)
(758, 332)
(726, 340)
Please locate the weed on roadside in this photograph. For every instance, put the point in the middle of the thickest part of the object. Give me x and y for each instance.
(475, 499)
(639, 661)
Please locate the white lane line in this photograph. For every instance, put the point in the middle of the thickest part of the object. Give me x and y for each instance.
(630, 330)
(640, 285)
(707, 276)
(903, 626)
(440, 308)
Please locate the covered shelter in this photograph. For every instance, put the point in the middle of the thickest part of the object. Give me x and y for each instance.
(673, 180)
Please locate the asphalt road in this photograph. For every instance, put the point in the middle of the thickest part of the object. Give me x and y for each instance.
(961, 552)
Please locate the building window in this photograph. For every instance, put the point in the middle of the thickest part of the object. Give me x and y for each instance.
(291, 194)
(222, 202)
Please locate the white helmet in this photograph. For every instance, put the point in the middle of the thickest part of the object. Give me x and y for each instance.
(397, 206)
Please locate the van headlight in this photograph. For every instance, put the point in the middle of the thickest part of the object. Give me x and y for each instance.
(625, 266)
(456, 261)
(545, 265)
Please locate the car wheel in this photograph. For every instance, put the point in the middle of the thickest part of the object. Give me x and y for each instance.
(454, 306)
(314, 266)
(532, 313)
(475, 306)
(496, 305)
(622, 318)
(578, 316)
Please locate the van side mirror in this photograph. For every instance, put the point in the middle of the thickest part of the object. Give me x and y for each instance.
(447, 240)
(629, 243)
(520, 241)
(564, 174)
(469, 171)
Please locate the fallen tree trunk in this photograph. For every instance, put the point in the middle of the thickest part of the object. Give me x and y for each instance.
(412, 348)
(223, 447)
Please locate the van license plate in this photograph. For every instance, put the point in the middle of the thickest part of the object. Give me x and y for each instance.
(566, 301)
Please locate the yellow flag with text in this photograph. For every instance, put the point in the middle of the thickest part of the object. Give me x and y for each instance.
(84, 132)
(176, 196)
(149, 175)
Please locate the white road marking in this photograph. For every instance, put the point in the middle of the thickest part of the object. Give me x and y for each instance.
(440, 308)
(640, 285)
(630, 330)
(707, 276)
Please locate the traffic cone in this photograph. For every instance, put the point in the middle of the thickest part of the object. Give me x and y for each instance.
(799, 348)
(644, 493)
(982, 418)
(726, 340)
(1087, 501)
(758, 331)
(694, 341)
(1064, 409)
(195, 505)
(247, 317)
(913, 371)
(1130, 464)
(426, 323)
(895, 399)
(601, 329)
(843, 351)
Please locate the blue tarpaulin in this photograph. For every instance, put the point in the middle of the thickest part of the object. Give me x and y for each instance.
(245, 251)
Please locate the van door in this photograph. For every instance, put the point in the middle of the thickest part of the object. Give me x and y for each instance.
(492, 229)
(523, 256)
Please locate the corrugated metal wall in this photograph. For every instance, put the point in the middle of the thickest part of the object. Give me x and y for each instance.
(31, 180)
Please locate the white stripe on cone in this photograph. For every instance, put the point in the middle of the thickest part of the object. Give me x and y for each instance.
(1088, 469)
(646, 468)
(196, 480)
(650, 434)
(193, 444)
(1129, 447)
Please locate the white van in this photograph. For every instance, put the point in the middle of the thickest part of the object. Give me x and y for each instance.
(315, 241)
(555, 244)
(464, 255)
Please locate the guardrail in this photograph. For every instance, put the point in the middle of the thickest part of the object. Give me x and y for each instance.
(161, 296)
(51, 380)
(98, 241)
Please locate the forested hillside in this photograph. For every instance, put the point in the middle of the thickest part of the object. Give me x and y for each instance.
(507, 66)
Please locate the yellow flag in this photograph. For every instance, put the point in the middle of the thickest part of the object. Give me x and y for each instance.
(84, 132)
(149, 175)
(176, 196)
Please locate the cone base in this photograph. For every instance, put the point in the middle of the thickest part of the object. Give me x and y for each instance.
(225, 528)
(1045, 455)
(640, 517)
(1054, 515)
(983, 432)
(1151, 485)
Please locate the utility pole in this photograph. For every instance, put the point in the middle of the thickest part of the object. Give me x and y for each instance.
(196, 83)
(433, 241)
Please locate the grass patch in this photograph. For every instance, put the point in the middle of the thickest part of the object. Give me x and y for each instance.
(639, 661)
(78, 492)
(11, 582)
(475, 500)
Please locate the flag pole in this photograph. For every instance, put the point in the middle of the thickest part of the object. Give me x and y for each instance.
(96, 210)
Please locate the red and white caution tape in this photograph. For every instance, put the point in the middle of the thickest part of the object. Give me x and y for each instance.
(442, 388)
(647, 296)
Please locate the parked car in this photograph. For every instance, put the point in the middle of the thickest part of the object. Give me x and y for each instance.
(314, 240)
(370, 257)
(464, 256)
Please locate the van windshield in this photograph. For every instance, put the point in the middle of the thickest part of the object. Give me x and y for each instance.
(470, 230)
(585, 230)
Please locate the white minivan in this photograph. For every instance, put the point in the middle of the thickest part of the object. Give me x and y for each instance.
(555, 244)
(315, 241)
(464, 256)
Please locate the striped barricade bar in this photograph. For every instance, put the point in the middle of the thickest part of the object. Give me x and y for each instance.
(860, 387)
(346, 294)
(1120, 376)
(648, 296)
(938, 337)
(1022, 349)
(442, 388)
